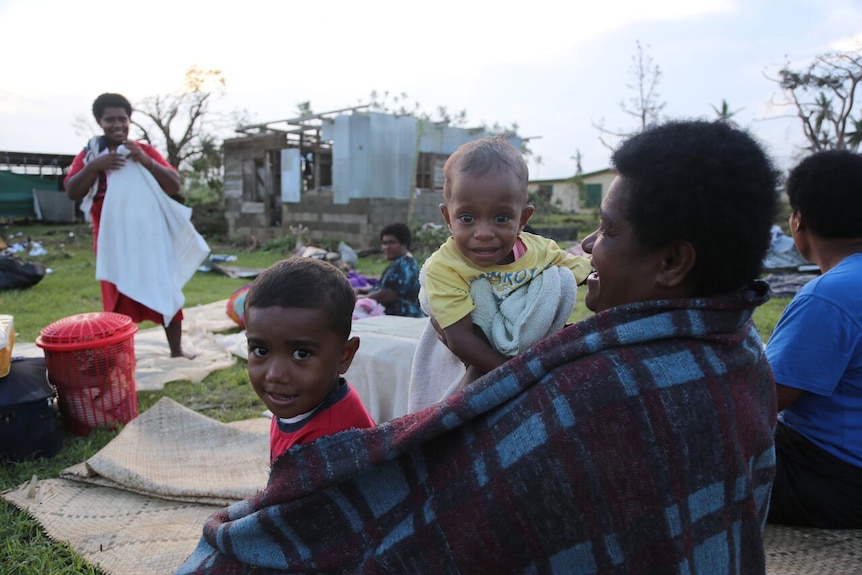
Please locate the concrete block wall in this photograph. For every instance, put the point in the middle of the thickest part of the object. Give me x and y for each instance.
(426, 208)
(357, 223)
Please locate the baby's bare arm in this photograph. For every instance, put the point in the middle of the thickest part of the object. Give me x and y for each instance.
(470, 347)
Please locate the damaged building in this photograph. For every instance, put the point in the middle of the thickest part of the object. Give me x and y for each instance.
(342, 174)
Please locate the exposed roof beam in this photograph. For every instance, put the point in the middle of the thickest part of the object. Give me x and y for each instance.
(35, 159)
(299, 119)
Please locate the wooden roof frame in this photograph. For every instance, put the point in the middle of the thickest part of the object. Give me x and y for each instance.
(299, 124)
(55, 164)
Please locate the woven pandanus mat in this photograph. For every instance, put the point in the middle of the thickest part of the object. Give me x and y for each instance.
(808, 551)
(138, 506)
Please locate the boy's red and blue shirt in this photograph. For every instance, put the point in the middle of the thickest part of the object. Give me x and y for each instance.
(340, 410)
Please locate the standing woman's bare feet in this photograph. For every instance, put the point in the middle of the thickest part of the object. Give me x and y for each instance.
(174, 332)
(185, 354)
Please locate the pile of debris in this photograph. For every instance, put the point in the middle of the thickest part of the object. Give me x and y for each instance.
(783, 256)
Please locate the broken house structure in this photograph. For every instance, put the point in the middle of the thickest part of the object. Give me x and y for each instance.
(342, 174)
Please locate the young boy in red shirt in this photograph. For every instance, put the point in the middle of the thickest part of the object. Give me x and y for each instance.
(298, 316)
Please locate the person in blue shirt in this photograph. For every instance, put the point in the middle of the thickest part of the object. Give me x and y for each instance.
(816, 352)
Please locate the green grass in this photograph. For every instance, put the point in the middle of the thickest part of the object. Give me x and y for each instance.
(223, 395)
(767, 315)
(71, 287)
(25, 548)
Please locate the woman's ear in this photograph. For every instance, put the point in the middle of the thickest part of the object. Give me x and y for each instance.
(678, 259)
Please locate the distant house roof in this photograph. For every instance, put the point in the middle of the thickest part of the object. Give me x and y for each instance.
(551, 180)
(598, 172)
(46, 162)
(568, 178)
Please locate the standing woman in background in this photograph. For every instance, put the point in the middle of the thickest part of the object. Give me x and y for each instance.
(87, 181)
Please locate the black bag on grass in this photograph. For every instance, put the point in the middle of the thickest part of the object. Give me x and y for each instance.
(16, 273)
(29, 425)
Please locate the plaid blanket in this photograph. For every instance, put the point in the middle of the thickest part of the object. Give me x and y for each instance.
(637, 441)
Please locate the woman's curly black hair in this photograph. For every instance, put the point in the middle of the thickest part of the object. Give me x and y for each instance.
(400, 231)
(110, 100)
(707, 183)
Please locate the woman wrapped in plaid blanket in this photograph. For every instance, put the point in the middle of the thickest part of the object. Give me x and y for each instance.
(636, 441)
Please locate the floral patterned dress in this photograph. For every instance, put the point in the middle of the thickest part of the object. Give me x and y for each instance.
(402, 277)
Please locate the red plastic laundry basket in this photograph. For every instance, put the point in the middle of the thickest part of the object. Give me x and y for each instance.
(90, 358)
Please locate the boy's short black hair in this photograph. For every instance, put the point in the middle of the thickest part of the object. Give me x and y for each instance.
(826, 189)
(400, 231)
(707, 183)
(307, 283)
(110, 100)
(483, 156)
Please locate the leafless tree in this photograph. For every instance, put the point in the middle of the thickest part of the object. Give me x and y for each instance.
(645, 104)
(182, 121)
(824, 98)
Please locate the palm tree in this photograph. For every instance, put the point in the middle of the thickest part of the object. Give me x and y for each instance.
(724, 114)
(538, 161)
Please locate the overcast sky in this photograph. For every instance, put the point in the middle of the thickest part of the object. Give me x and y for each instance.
(556, 69)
